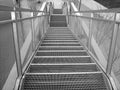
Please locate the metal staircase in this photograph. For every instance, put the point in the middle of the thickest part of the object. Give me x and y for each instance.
(62, 63)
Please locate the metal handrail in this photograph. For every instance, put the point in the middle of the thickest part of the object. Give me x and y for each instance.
(18, 20)
(93, 18)
(15, 9)
(7, 8)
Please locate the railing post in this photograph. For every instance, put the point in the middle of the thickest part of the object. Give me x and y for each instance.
(16, 43)
(79, 5)
(43, 26)
(70, 8)
(67, 13)
(112, 47)
(90, 32)
(32, 30)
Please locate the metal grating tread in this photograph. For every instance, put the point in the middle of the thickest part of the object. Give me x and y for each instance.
(60, 44)
(58, 34)
(62, 68)
(60, 48)
(59, 38)
(61, 54)
(64, 82)
(63, 60)
(59, 41)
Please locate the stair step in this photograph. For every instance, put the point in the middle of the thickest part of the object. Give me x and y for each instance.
(61, 48)
(59, 35)
(40, 68)
(59, 30)
(67, 32)
(60, 44)
(52, 31)
(62, 53)
(58, 24)
(58, 18)
(72, 41)
(86, 59)
(59, 38)
(92, 81)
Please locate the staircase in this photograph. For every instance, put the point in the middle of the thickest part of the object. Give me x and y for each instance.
(62, 63)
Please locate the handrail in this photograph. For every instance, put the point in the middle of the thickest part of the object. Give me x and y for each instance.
(114, 10)
(7, 8)
(107, 20)
(18, 20)
(15, 9)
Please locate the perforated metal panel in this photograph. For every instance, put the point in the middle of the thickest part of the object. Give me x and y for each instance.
(62, 68)
(57, 44)
(63, 60)
(61, 48)
(64, 82)
(61, 54)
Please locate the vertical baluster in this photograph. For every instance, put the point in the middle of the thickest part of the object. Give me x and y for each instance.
(32, 30)
(16, 43)
(90, 32)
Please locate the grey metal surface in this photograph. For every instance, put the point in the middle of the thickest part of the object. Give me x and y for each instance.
(61, 54)
(64, 82)
(62, 68)
(61, 44)
(65, 41)
(61, 48)
(86, 59)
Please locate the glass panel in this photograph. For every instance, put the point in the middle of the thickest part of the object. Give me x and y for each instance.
(7, 54)
(30, 31)
(25, 39)
(77, 26)
(116, 62)
(83, 29)
(102, 33)
(38, 28)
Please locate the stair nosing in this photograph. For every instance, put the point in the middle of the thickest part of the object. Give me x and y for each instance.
(61, 50)
(37, 64)
(60, 56)
(95, 72)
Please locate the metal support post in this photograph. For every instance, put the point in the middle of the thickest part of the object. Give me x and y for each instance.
(112, 47)
(90, 32)
(79, 5)
(43, 26)
(16, 43)
(32, 30)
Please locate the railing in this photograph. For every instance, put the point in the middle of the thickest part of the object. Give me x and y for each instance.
(25, 28)
(99, 32)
